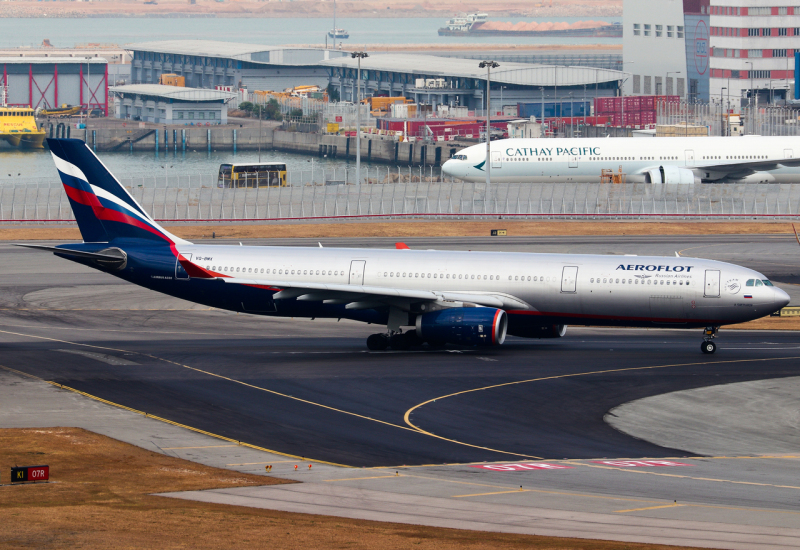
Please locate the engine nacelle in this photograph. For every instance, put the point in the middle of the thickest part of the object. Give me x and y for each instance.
(537, 331)
(671, 174)
(469, 326)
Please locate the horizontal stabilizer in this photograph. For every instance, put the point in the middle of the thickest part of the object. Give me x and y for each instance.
(112, 257)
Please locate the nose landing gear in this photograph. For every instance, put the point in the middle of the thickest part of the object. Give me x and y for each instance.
(709, 333)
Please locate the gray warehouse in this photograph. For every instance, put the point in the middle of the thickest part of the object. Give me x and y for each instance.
(171, 104)
(49, 82)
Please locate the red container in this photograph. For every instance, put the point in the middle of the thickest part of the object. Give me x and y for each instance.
(648, 117)
(647, 103)
(632, 104)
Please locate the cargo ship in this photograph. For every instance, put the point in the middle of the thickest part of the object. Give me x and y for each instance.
(18, 126)
(478, 24)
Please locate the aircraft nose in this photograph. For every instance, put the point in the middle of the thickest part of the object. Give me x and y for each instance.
(782, 299)
(448, 167)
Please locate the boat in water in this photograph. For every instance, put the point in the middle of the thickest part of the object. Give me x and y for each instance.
(18, 126)
(338, 33)
(478, 24)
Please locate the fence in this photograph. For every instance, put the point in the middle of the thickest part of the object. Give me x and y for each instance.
(411, 195)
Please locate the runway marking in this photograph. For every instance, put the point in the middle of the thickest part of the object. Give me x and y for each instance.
(696, 478)
(268, 462)
(495, 493)
(673, 505)
(358, 478)
(202, 447)
(165, 420)
(273, 392)
(407, 415)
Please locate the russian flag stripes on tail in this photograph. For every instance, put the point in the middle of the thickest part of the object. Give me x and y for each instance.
(103, 208)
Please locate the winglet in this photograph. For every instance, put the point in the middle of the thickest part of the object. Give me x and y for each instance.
(320, 244)
(677, 255)
(795, 234)
(401, 246)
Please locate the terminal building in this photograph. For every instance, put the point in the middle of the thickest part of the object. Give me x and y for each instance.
(457, 82)
(171, 104)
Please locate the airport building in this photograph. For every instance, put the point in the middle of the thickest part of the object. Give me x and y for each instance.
(666, 48)
(208, 64)
(171, 104)
(752, 49)
(461, 82)
(423, 78)
(49, 82)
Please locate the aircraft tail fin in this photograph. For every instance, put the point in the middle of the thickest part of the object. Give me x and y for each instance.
(103, 208)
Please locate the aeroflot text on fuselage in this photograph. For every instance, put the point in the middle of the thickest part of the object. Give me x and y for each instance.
(669, 268)
(548, 151)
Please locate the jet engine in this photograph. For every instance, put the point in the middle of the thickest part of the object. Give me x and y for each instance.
(470, 326)
(671, 174)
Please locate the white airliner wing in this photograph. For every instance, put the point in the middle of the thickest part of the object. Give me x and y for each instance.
(355, 295)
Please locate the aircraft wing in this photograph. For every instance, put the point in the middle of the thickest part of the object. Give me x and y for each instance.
(361, 296)
(744, 169)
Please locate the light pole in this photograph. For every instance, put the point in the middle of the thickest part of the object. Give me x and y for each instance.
(359, 56)
(488, 65)
(750, 97)
(501, 99)
(724, 130)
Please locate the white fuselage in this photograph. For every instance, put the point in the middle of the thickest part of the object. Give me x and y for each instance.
(618, 290)
(748, 158)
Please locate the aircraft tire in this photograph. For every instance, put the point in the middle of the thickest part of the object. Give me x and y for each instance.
(399, 341)
(708, 347)
(377, 342)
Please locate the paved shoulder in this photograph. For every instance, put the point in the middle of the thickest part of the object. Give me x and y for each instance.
(747, 418)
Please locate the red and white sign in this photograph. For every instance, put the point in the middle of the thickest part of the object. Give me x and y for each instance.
(639, 463)
(521, 467)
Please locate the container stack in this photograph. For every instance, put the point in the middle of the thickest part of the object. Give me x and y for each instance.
(638, 112)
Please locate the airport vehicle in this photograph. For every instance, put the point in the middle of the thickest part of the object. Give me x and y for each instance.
(679, 160)
(448, 297)
(269, 174)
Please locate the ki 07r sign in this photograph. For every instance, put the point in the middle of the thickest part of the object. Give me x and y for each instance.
(30, 473)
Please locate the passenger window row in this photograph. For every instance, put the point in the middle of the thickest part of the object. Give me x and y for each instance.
(227, 269)
(438, 276)
(636, 281)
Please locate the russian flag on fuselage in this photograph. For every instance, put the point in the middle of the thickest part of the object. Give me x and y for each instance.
(103, 208)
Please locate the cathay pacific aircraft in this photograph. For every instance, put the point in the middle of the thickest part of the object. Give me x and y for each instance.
(420, 296)
(682, 160)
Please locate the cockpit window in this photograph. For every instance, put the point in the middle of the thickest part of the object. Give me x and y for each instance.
(767, 283)
(758, 283)
(460, 157)
(750, 282)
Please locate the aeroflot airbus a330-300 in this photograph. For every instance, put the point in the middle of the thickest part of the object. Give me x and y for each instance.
(461, 298)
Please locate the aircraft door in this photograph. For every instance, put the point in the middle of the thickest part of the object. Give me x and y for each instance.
(357, 272)
(689, 157)
(496, 160)
(573, 162)
(788, 153)
(569, 278)
(180, 273)
(712, 284)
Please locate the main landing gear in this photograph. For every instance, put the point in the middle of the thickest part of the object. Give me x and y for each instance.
(709, 333)
(394, 340)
